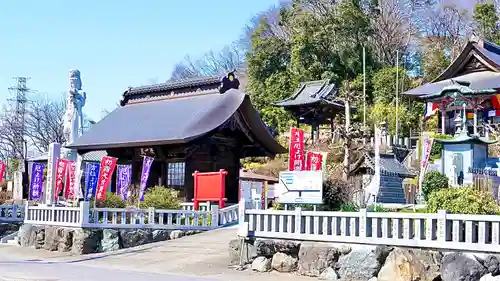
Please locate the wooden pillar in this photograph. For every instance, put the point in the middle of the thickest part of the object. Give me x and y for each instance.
(331, 129)
(313, 127)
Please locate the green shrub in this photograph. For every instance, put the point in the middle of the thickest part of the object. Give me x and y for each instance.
(161, 197)
(334, 194)
(437, 148)
(433, 181)
(376, 208)
(349, 207)
(462, 201)
(112, 201)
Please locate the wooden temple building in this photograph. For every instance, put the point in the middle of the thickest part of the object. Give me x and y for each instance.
(314, 103)
(468, 89)
(191, 125)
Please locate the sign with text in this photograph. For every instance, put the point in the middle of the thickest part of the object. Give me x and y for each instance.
(300, 187)
(146, 167)
(71, 193)
(107, 167)
(36, 183)
(62, 166)
(314, 161)
(123, 180)
(296, 150)
(91, 178)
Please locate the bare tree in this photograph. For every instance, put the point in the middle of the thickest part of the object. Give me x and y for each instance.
(396, 27)
(44, 123)
(233, 56)
(210, 64)
(9, 136)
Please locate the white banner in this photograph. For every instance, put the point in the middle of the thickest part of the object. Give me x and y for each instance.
(424, 162)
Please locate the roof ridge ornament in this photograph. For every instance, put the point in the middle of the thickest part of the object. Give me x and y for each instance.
(229, 82)
(476, 39)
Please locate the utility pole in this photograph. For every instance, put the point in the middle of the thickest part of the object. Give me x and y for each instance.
(397, 95)
(364, 87)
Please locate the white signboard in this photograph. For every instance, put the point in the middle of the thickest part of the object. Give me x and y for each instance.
(300, 187)
(18, 186)
(54, 152)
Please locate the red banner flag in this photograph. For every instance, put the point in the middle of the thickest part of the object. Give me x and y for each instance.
(2, 170)
(62, 165)
(107, 167)
(296, 156)
(314, 161)
(69, 193)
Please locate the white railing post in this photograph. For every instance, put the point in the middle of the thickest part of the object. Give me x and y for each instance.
(214, 220)
(298, 220)
(442, 226)
(241, 211)
(151, 215)
(362, 223)
(84, 213)
(26, 212)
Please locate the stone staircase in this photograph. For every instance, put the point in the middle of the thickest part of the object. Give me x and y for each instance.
(391, 191)
(8, 234)
(10, 239)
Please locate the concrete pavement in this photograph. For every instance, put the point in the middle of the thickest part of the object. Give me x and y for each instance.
(201, 257)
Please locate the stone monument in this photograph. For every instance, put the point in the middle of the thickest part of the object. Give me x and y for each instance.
(73, 116)
(72, 129)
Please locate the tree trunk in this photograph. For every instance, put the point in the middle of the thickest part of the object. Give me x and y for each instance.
(347, 140)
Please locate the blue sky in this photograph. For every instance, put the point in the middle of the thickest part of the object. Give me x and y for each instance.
(114, 43)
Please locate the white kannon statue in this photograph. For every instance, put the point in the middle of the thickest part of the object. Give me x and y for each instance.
(73, 116)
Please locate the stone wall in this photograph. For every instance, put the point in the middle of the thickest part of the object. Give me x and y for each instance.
(327, 261)
(86, 241)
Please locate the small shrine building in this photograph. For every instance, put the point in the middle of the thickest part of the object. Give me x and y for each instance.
(469, 88)
(314, 103)
(189, 125)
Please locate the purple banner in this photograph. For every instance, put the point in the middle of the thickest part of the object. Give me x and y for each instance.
(146, 166)
(91, 177)
(36, 184)
(123, 180)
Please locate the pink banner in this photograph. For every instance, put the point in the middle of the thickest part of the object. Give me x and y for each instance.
(296, 153)
(62, 165)
(107, 167)
(70, 192)
(2, 170)
(314, 161)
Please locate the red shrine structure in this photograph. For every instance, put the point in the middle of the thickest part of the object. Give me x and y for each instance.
(468, 90)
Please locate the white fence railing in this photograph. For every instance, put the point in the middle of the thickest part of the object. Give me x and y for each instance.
(11, 213)
(228, 215)
(209, 217)
(52, 215)
(189, 206)
(438, 231)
